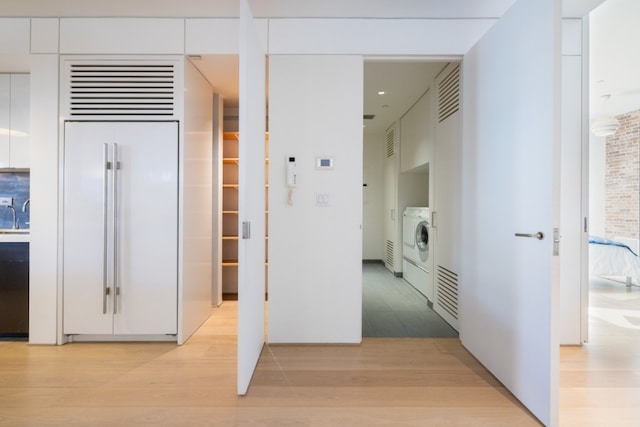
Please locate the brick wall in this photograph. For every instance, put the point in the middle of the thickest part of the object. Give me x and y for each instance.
(622, 181)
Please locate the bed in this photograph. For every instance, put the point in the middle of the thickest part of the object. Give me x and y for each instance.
(614, 260)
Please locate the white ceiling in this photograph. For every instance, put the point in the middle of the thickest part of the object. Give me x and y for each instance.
(614, 57)
(278, 8)
(260, 8)
(403, 83)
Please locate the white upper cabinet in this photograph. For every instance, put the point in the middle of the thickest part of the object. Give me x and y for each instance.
(14, 121)
(5, 120)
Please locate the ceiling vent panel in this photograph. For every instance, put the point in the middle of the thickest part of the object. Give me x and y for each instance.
(449, 95)
(124, 90)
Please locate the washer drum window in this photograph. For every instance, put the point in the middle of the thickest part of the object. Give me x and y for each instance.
(422, 236)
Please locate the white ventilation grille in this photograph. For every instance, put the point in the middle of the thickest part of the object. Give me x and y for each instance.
(390, 259)
(391, 142)
(449, 95)
(447, 291)
(126, 89)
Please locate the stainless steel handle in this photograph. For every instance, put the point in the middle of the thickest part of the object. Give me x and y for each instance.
(539, 235)
(434, 217)
(105, 225)
(116, 287)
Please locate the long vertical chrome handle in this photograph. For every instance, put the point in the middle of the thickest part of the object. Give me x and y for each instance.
(116, 287)
(105, 213)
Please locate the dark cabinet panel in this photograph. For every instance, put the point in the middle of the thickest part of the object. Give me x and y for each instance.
(14, 289)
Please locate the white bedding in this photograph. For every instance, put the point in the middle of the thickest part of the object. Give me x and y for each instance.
(609, 260)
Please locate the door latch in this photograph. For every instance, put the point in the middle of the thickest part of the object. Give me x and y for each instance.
(246, 229)
(556, 242)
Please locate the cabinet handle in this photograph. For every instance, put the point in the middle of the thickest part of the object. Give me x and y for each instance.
(116, 287)
(105, 213)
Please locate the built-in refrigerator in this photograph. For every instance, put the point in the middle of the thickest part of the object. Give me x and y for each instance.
(120, 228)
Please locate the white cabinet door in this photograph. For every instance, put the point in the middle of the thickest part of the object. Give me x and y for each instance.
(120, 228)
(14, 120)
(20, 121)
(445, 229)
(5, 120)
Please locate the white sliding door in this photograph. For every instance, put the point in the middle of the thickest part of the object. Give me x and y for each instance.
(509, 284)
(251, 202)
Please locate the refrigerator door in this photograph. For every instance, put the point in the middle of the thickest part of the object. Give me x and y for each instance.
(87, 307)
(120, 228)
(147, 228)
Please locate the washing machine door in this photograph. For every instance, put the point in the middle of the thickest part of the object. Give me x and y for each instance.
(422, 239)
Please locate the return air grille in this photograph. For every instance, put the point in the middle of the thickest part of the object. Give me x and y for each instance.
(123, 89)
(391, 142)
(389, 261)
(447, 291)
(449, 95)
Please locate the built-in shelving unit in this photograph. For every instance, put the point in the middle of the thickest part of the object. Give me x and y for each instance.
(230, 187)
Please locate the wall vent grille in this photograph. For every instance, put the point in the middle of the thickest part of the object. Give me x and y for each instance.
(449, 95)
(391, 139)
(144, 90)
(447, 291)
(389, 259)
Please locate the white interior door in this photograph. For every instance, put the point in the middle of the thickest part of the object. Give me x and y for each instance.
(251, 202)
(510, 154)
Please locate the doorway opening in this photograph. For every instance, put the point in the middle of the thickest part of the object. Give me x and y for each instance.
(398, 261)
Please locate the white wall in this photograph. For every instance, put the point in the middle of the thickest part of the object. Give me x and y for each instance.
(44, 310)
(315, 252)
(372, 196)
(573, 260)
(416, 134)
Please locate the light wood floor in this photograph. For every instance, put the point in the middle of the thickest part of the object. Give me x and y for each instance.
(383, 382)
(600, 381)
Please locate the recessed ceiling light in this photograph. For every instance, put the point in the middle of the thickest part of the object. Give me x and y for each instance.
(380, 92)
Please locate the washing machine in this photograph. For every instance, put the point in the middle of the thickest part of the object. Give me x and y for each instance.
(416, 262)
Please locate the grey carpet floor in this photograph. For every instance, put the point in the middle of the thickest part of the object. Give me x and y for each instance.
(393, 308)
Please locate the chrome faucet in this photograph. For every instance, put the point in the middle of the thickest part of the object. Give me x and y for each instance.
(25, 204)
(15, 222)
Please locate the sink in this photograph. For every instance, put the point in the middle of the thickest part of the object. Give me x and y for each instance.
(14, 231)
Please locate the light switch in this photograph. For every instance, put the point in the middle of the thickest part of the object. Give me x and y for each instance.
(322, 199)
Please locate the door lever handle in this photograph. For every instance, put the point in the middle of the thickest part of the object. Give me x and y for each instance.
(539, 235)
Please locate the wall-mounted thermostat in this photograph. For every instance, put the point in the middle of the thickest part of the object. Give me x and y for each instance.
(324, 163)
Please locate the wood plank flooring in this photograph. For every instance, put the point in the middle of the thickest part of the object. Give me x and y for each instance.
(600, 381)
(382, 382)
